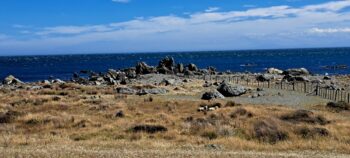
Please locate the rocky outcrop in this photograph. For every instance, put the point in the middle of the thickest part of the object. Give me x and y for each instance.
(166, 66)
(142, 68)
(231, 90)
(274, 71)
(11, 80)
(143, 91)
(297, 72)
(212, 95)
(180, 68)
(291, 78)
(152, 91)
(265, 77)
(126, 90)
(192, 67)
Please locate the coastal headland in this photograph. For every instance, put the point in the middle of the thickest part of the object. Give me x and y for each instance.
(177, 110)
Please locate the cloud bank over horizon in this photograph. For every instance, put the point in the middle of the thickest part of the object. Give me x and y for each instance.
(316, 25)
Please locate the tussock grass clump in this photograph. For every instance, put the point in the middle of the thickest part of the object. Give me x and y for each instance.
(209, 135)
(241, 112)
(304, 116)
(8, 116)
(307, 132)
(338, 106)
(268, 131)
(149, 128)
(231, 104)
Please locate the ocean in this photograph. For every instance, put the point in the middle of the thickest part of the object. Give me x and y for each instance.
(35, 68)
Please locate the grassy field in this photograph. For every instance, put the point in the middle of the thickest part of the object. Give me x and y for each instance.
(79, 121)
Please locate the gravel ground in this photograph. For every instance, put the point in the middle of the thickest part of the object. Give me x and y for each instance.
(281, 97)
(72, 152)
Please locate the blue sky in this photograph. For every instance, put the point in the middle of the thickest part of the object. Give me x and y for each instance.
(112, 26)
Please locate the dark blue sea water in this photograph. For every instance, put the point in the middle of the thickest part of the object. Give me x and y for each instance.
(33, 68)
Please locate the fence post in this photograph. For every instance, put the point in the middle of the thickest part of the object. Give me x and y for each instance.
(268, 84)
(341, 95)
(336, 95)
(281, 85)
(305, 90)
(348, 97)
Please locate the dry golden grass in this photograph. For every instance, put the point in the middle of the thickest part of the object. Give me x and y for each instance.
(80, 116)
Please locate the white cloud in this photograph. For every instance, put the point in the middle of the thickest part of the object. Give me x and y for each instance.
(121, 1)
(330, 30)
(73, 29)
(270, 27)
(212, 9)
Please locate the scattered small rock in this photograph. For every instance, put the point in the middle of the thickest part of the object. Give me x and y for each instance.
(119, 114)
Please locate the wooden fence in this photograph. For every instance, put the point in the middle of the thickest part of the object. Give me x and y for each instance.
(308, 88)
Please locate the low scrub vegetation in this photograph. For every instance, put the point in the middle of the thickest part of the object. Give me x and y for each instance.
(73, 114)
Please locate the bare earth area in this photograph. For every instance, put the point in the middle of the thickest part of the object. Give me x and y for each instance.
(70, 120)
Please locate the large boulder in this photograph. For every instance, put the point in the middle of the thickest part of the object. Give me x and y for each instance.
(11, 80)
(212, 70)
(212, 95)
(167, 62)
(192, 67)
(130, 72)
(143, 68)
(152, 91)
(126, 90)
(297, 72)
(167, 82)
(180, 68)
(265, 77)
(274, 71)
(291, 78)
(231, 90)
(164, 70)
(112, 74)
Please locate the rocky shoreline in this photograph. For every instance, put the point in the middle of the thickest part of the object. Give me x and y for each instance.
(168, 72)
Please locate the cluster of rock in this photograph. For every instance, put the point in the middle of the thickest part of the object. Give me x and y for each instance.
(11, 80)
(143, 91)
(165, 66)
(225, 90)
(289, 75)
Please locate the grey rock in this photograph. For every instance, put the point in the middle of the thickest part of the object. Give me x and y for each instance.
(120, 114)
(212, 95)
(36, 87)
(143, 68)
(167, 62)
(180, 68)
(168, 82)
(11, 80)
(192, 67)
(274, 71)
(126, 90)
(207, 84)
(296, 72)
(231, 90)
(265, 77)
(291, 78)
(152, 91)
